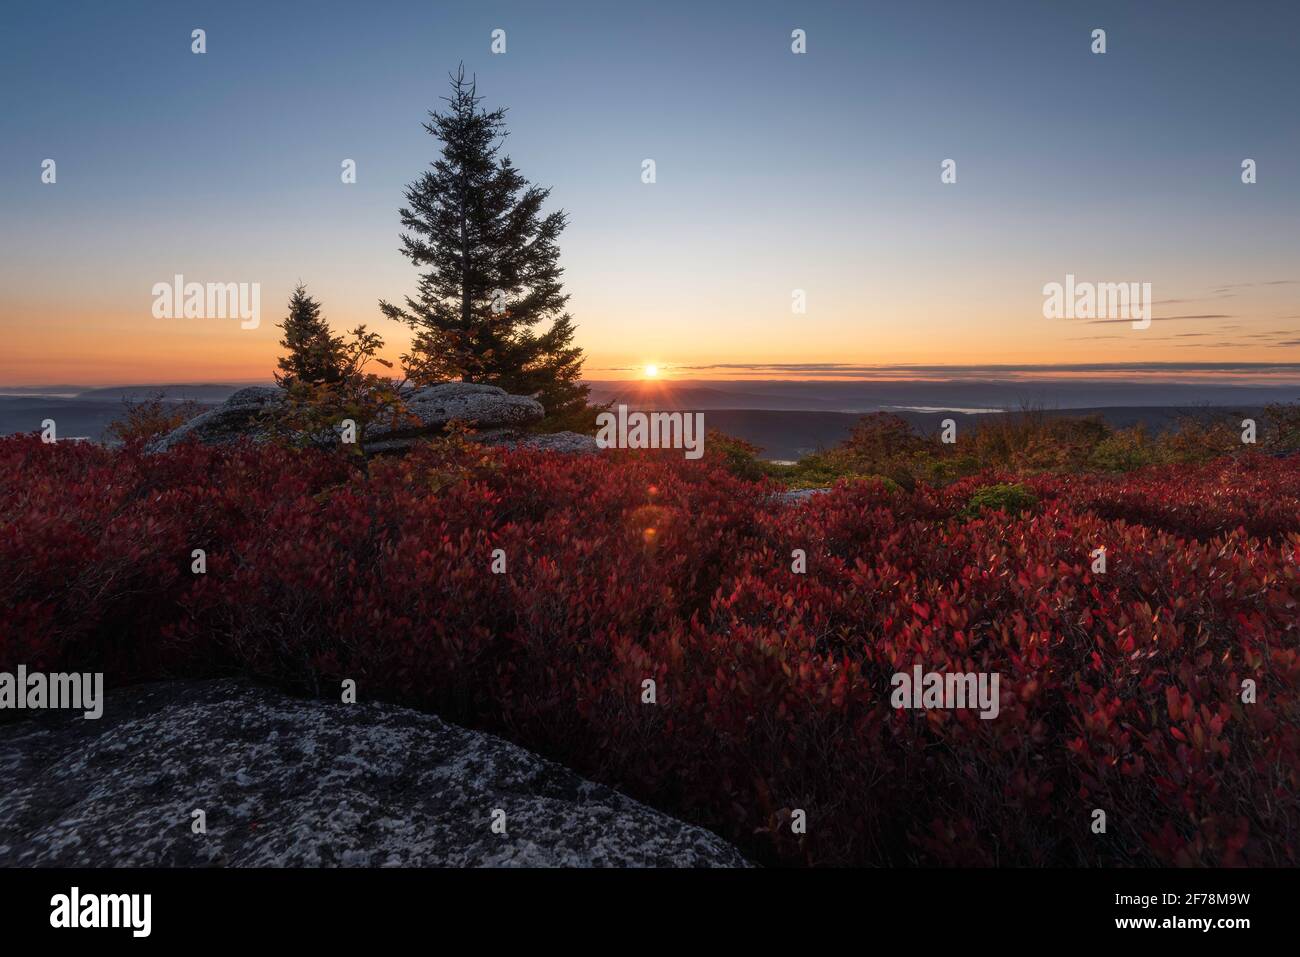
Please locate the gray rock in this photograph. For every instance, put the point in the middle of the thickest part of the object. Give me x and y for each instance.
(404, 444)
(234, 419)
(429, 410)
(799, 495)
(568, 443)
(484, 406)
(305, 783)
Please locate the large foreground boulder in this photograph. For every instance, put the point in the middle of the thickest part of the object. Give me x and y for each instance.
(284, 781)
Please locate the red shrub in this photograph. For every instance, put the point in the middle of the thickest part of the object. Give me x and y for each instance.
(1119, 691)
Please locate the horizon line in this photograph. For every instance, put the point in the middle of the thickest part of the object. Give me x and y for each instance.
(809, 372)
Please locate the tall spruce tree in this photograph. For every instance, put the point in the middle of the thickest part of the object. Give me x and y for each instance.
(316, 355)
(490, 267)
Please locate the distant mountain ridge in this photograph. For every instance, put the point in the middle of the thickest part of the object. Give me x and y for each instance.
(200, 392)
(983, 394)
(785, 418)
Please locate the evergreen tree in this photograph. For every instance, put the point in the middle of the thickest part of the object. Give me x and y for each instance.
(490, 267)
(316, 356)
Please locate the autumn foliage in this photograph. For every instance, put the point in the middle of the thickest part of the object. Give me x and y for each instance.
(1121, 691)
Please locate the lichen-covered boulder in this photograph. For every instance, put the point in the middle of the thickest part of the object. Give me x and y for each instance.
(567, 443)
(428, 411)
(291, 782)
(234, 419)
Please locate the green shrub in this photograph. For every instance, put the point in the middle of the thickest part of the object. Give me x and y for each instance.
(1123, 451)
(1200, 438)
(811, 471)
(737, 456)
(1011, 499)
(1284, 426)
(945, 470)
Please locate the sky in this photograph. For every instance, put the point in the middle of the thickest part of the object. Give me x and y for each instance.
(775, 172)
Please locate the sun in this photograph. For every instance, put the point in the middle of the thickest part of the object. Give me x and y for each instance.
(651, 371)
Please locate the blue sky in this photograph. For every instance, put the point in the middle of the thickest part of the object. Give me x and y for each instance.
(775, 172)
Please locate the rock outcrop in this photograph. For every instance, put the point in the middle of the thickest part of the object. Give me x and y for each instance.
(234, 419)
(795, 496)
(569, 443)
(430, 408)
(295, 782)
(488, 409)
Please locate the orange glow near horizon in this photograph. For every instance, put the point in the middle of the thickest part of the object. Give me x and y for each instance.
(89, 348)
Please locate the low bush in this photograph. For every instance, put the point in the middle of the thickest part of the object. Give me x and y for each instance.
(1120, 691)
(1023, 443)
(1011, 498)
(145, 419)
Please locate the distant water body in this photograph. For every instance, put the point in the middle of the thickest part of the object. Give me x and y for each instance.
(935, 408)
